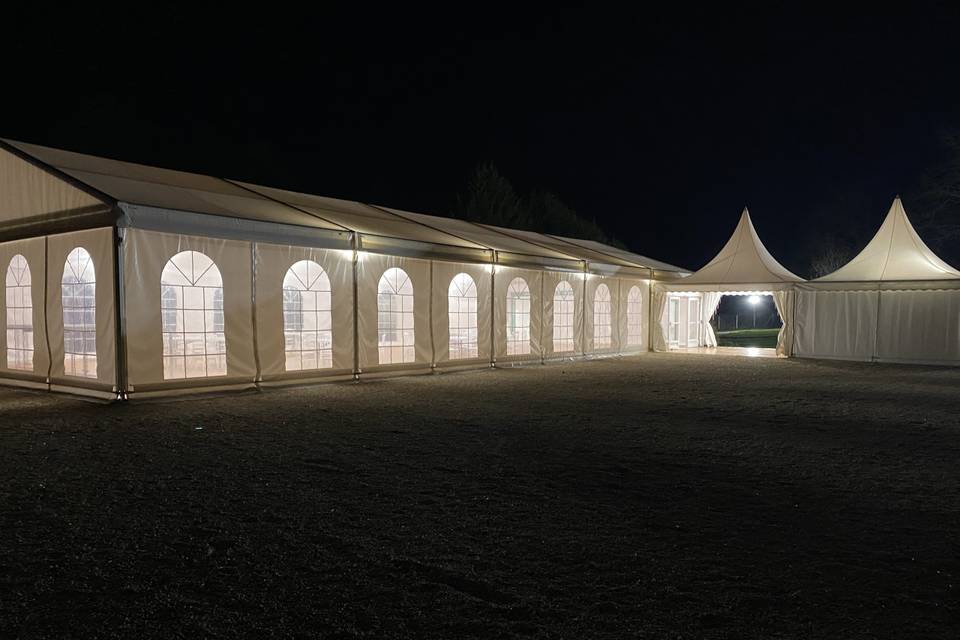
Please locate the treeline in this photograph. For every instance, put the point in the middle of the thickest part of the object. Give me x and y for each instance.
(491, 199)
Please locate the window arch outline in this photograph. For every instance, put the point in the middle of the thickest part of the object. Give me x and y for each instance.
(462, 305)
(307, 317)
(78, 295)
(564, 304)
(19, 314)
(192, 324)
(518, 317)
(602, 318)
(395, 321)
(634, 317)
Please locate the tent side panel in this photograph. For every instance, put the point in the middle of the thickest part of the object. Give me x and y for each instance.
(562, 330)
(15, 314)
(920, 327)
(835, 324)
(633, 316)
(396, 319)
(478, 299)
(601, 316)
(30, 193)
(517, 333)
(98, 245)
(282, 343)
(146, 254)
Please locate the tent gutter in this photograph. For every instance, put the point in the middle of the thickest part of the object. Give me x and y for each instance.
(214, 226)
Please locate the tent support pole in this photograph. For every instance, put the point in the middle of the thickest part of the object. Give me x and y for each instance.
(543, 301)
(355, 241)
(258, 376)
(120, 321)
(650, 313)
(46, 307)
(583, 306)
(493, 310)
(433, 346)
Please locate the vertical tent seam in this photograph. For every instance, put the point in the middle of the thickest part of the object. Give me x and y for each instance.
(493, 310)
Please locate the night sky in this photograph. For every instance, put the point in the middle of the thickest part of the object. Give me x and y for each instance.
(661, 126)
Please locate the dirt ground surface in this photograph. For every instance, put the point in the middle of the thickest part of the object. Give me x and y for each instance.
(657, 496)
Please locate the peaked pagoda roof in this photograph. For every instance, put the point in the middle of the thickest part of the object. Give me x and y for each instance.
(895, 253)
(743, 260)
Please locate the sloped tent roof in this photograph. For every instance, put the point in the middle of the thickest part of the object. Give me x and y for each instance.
(896, 253)
(164, 199)
(743, 264)
(623, 254)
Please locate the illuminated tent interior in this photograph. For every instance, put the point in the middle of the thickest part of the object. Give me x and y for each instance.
(130, 281)
(742, 267)
(896, 301)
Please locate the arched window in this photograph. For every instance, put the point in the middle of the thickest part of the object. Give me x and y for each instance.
(395, 317)
(462, 307)
(19, 315)
(78, 290)
(634, 317)
(563, 317)
(191, 300)
(518, 318)
(307, 325)
(602, 331)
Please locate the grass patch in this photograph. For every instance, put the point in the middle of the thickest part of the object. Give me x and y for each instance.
(765, 338)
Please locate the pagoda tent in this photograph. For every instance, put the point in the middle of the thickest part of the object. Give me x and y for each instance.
(743, 266)
(896, 301)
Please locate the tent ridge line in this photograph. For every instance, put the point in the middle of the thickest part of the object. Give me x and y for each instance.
(530, 242)
(284, 204)
(395, 214)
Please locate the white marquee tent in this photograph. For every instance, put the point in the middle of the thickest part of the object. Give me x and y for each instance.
(896, 301)
(743, 266)
(130, 281)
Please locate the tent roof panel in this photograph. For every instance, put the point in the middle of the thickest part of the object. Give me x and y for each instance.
(896, 252)
(485, 236)
(364, 218)
(577, 251)
(743, 260)
(623, 254)
(168, 189)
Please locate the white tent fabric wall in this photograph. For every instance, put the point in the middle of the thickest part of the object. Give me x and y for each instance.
(600, 315)
(919, 326)
(632, 315)
(518, 334)
(658, 319)
(146, 254)
(98, 243)
(33, 251)
(276, 337)
(28, 192)
(833, 324)
(711, 300)
(784, 302)
(562, 314)
(477, 298)
(371, 267)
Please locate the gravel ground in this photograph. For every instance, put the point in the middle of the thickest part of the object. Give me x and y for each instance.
(658, 496)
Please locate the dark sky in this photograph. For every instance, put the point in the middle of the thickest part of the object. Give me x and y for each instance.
(661, 126)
